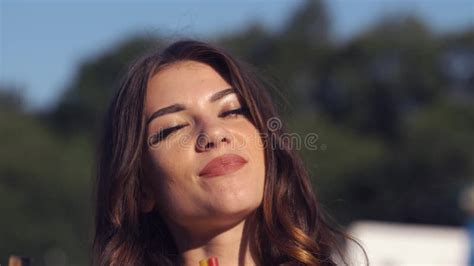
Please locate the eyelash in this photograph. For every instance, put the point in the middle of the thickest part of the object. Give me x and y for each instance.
(235, 112)
(162, 134)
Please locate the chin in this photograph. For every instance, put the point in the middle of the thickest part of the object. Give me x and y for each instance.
(226, 219)
(236, 208)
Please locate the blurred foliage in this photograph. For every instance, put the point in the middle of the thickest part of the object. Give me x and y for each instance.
(44, 190)
(81, 108)
(392, 107)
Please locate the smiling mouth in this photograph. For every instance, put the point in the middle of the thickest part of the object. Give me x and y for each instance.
(222, 165)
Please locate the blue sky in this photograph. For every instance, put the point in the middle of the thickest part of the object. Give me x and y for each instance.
(43, 42)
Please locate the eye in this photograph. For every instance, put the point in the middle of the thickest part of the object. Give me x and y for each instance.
(162, 134)
(235, 112)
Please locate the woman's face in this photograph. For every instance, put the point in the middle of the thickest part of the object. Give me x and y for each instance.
(203, 120)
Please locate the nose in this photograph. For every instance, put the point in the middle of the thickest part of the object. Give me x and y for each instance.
(212, 135)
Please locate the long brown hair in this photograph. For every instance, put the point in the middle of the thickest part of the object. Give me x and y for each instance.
(291, 227)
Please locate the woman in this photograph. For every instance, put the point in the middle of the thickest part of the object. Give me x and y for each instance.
(189, 169)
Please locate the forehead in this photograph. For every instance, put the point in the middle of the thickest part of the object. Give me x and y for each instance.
(183, 82)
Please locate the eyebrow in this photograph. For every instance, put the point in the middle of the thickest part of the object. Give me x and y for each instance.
(174, 108)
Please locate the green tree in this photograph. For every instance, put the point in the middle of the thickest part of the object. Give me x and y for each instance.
(85, 100)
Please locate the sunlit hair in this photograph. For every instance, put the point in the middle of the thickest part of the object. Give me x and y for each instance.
(290, 228)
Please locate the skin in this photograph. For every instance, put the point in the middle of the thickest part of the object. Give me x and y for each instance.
(206, 216)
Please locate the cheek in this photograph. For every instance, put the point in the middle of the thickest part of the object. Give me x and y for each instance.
(163, 162)
(253, 144)
(171, 175)
(163, 172)
(248, 137)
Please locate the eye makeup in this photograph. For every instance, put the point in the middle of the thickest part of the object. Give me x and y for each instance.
(162, 134)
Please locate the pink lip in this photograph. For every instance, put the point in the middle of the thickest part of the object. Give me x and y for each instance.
(222, 165)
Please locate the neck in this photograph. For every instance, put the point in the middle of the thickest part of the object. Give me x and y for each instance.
(231, 245)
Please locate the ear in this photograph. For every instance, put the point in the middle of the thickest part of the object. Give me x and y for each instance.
(147, 206)
(147, 202)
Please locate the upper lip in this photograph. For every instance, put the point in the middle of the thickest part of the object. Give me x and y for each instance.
(226, 159)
